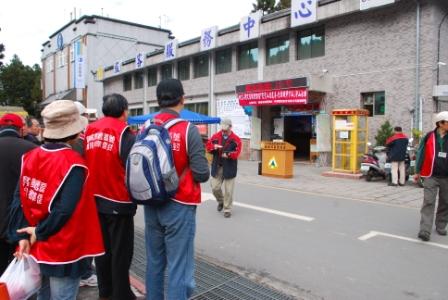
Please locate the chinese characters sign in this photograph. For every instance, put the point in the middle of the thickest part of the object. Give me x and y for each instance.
(79, 67)
(170, 50)
(250, 26)
(366, 4)
(303, 12)
(139, 60)
(117, 67)
(208, 38)
(292, 96)
(34, 189)
(100, 140)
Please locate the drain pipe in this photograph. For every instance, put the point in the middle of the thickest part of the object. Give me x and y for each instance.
(418, 114)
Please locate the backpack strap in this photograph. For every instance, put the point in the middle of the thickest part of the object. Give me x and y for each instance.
(172, 122)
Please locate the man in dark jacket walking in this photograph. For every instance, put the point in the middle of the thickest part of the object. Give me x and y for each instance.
(397, 145)
(12, 147)
(225, 147)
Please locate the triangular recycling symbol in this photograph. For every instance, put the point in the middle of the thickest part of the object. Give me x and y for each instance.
(273, 163)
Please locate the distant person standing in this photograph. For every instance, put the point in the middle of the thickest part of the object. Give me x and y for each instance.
(226, 148)
(12, 147)
(107, 144)
(432, 165)
(33, 130)
(397, 146)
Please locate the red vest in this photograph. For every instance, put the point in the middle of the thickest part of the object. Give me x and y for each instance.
(430, 153)
(189, 191)
(102, 146)
(43, 174)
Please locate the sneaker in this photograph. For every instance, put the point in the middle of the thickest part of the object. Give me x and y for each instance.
(220, 206)
(441, 231)
(424, 236)
(392, 184)
(227, 214)
(91, 281)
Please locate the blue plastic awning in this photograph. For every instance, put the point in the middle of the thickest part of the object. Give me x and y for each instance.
(185, 114)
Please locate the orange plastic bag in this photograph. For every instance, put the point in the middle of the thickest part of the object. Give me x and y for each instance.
(4, 295)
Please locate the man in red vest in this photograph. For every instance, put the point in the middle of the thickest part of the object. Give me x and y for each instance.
(225, 146)
(53, 215)
(170, 229)
(107, 144)
(432, 164)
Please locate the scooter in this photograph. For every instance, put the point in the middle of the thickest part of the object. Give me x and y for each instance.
(374, 163)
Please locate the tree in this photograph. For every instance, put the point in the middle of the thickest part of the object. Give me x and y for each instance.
(282, 4)
(2, 56)
(266, 6)
(384, 133)
(20, 85)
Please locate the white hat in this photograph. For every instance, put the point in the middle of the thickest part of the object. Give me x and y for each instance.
(81, 108)
(441, 116)
(61, 119)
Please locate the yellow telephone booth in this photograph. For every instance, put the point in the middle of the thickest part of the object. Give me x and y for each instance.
(350, 135)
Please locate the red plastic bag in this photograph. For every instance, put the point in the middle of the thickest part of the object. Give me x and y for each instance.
(22, 277)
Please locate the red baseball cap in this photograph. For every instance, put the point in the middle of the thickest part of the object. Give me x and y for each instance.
(11, 120)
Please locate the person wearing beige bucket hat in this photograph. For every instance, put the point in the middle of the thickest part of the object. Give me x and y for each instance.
(53, 213)
(432, 165)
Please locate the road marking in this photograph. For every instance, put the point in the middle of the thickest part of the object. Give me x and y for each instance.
(331, 197)
(209, 196)
(372, 234)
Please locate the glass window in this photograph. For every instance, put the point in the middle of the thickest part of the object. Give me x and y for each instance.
(277, 50)
(167, 71)
(201, 108)
(183, 69)
(152, 76)
(200, 66)
(311, 43)
(375, 103)
(127, 82)
(248, 56)
(136, 112)
(223, 61)
(138, 80)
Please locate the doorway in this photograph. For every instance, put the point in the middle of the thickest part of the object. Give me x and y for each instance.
(298, 132)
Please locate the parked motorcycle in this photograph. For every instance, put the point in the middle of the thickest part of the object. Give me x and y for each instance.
(374, 163)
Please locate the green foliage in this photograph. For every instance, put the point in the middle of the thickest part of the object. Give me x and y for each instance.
(2, 56)
(417, 135)
(270, 6)
(20, 85)
(384, 133)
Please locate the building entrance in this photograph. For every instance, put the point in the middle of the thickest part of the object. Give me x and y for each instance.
(298, 131)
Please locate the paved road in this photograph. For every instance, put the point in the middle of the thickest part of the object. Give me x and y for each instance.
(312, 242)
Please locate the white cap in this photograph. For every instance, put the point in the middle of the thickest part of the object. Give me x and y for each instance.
(81, 108)
(441, 116)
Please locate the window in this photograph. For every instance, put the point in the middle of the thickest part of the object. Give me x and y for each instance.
(375, 103)
(49, 65)
(127, 82)
(201, 108)
(138, 80)
(248, 56)
(153, 109)
(152, 76)
(223, 61)
(277, 50)
(136, 111)
(183, 69)
(167, 71)
(311, 43)
(200, 66)
(61, 59)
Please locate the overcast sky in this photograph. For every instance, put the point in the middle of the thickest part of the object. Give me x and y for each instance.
(26, 25)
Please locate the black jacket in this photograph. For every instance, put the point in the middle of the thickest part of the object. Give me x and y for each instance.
(12, 147)
(397, 146)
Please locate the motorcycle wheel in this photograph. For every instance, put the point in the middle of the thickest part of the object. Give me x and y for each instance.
(369, 175)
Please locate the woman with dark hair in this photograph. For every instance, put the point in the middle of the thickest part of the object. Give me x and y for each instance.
(53, 214)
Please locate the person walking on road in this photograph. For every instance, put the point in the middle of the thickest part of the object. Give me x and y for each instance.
(397, 146)
(53, 214)
(170, 228)
(432, 165)
(225, 146)
(12, 147)
(107, 144)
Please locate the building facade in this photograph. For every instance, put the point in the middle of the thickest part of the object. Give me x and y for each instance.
(387, 59)
(73, 57)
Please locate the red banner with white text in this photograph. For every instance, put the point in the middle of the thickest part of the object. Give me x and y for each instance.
(292, 96)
